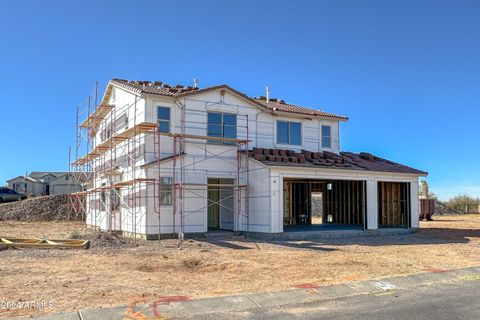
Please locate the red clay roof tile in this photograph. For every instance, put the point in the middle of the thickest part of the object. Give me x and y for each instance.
(345, 160)
(160, 88)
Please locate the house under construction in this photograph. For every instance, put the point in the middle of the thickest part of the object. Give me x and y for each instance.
(168, 160)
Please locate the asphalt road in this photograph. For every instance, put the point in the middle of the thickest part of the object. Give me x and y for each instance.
(458, 301)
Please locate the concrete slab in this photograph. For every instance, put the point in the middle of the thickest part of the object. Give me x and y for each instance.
(327, 234)
(212, 305)
(279, 298)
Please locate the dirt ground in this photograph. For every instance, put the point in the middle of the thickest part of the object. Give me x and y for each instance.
(124, 272)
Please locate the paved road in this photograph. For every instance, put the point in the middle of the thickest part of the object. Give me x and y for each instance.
(439, 301)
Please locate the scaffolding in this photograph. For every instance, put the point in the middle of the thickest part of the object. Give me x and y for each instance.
(117, 183)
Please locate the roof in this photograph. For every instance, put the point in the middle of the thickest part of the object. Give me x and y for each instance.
(152, 87)
(345, 160)
(24, 178)
(40, 174)
(79, 176)
(163, 89)
(280, 105)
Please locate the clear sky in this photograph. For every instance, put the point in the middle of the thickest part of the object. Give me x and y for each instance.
(407, 73)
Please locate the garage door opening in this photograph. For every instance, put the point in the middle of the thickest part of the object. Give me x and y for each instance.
(394, 204)
(324, 203)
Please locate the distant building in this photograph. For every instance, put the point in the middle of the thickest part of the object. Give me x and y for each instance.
(45, 183)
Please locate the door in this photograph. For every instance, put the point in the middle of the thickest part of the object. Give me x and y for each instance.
(221, 204)
(317, 207)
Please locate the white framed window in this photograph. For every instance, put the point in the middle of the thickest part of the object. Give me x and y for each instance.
(289, 132)
(165, 186)
(326, 137)
(163, 118)
(222, 125)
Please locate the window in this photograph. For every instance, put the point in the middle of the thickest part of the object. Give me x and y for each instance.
(326, 137)
(289, 132)
(166, 191)
(103, 200)
(115, 199)
(222, 125)
(121, 122)
(163, 117)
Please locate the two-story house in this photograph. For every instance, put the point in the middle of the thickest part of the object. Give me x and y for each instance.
(46, 183)
(176, 159)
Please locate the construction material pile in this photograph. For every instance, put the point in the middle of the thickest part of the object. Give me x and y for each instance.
(47, 208)
(103, 239)
(441, 209)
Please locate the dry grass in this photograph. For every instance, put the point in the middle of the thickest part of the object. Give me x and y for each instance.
(102, 277)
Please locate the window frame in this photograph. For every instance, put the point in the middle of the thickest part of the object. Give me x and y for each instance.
(222, 126)
(289, 131)
(169, 121)
(166, 191)
(329, 136)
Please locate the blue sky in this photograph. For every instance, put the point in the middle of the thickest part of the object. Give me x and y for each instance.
(407, 73)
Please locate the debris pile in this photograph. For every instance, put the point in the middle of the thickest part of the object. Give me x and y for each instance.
(442, 208)
(46, 208)
(103, 239)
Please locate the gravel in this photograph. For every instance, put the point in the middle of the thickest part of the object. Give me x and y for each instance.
(46, 208)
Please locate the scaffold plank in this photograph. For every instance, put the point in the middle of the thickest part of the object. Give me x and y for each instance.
(44, 243)
(108, 144)
(97, 116)
(127, 183)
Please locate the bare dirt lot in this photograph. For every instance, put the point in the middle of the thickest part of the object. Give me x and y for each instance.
(118, 272)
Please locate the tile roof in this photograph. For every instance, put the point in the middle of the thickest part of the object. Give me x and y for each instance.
(153, 87)
(280, 105)
(160, 88)
(345, 160)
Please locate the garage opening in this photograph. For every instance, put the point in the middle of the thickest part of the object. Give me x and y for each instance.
(324, 202)
(393, 204)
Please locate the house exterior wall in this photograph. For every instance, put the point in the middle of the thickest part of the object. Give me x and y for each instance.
(64, 184)
(33, 188)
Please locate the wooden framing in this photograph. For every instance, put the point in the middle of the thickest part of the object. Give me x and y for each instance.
(394, 204)
(44, 243)
(345, 201)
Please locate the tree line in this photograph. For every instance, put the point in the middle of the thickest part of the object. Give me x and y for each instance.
(462, 202)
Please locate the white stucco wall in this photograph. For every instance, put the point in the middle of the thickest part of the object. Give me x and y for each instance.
(208, 160)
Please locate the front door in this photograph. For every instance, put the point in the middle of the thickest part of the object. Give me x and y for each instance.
(220, 204)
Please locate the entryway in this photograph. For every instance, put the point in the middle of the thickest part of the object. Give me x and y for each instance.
(220, 204)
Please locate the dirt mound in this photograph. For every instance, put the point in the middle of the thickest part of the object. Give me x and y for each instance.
(47, 208)
(103, 239)
(441, 209)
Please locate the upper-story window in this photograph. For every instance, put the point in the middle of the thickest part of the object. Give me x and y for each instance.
(289, 132)
(222, 125)
(163, 117)
(326, 137)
